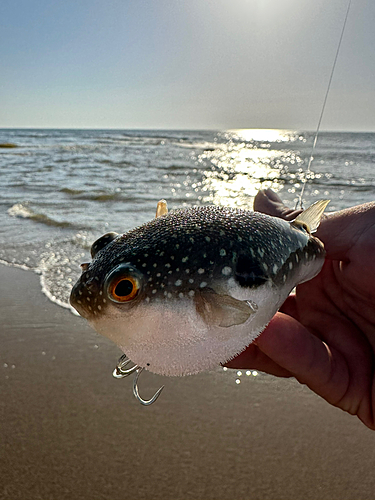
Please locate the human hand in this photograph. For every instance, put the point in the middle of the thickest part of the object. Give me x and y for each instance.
(324, 334)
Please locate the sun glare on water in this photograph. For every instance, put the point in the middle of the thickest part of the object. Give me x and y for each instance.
(247, 163)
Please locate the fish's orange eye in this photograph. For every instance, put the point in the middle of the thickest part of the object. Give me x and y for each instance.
(123, 284)
(124, 288)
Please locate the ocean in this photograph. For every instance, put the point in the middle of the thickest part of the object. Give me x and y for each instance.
(62, 189)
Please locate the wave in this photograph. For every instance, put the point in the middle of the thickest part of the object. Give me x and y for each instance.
(71, 191)
(22, 211)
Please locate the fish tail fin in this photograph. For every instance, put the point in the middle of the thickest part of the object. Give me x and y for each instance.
(311, 216)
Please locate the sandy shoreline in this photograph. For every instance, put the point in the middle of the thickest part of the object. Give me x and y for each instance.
(70, 431)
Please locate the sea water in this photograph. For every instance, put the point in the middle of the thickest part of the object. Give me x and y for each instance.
(62, 189)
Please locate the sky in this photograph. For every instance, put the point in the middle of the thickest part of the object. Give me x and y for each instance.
(186, 64)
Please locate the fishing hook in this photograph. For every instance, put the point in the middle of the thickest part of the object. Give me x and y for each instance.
(119, 372)
(144, 402)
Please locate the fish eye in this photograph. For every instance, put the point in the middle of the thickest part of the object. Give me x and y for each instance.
(123, 284)
(124, 289)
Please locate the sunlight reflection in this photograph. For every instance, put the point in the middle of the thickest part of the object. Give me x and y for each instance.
(247, 163)
(265, 135)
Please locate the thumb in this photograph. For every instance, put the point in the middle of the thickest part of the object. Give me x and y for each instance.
(268, 202)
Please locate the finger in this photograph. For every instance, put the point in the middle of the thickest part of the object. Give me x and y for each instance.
(252, 357)
(291, 346)
(268, 202)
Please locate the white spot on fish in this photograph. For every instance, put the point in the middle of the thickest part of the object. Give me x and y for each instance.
(203, 284)
(177, 245)
(167, 264)
(181, 295)
(208, 239)
(144, 264)
(275, 268)
(184, 259)
(226, 271)
(191, 280)
(265, 267)
(187, 271)
(99, 308)
(178, 282)
(158, 275)
(201, 271)
(261, 252)
(252, 252)
(191, 293)
(147, 299)
(290, 265)
(169, 295)
(223, 252)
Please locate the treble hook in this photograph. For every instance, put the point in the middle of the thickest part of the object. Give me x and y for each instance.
(119, 372)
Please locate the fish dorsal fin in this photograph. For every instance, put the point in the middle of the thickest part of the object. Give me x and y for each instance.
(310, 218)
(222, 310)
(161, 208)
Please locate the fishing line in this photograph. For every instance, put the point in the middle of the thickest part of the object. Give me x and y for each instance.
(308, 170)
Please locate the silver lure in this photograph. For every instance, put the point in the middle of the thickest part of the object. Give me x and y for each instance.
(194, 287)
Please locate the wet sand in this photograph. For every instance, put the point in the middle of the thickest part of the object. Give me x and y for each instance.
(69, 430)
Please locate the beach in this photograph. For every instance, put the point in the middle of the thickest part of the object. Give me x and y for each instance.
(69, 430)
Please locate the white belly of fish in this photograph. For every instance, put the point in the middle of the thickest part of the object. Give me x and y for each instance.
(170, 338)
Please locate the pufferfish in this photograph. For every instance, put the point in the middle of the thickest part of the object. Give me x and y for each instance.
(194, 287)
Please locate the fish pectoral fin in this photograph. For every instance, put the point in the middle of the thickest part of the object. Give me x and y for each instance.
(310, 218)
(222, 310)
